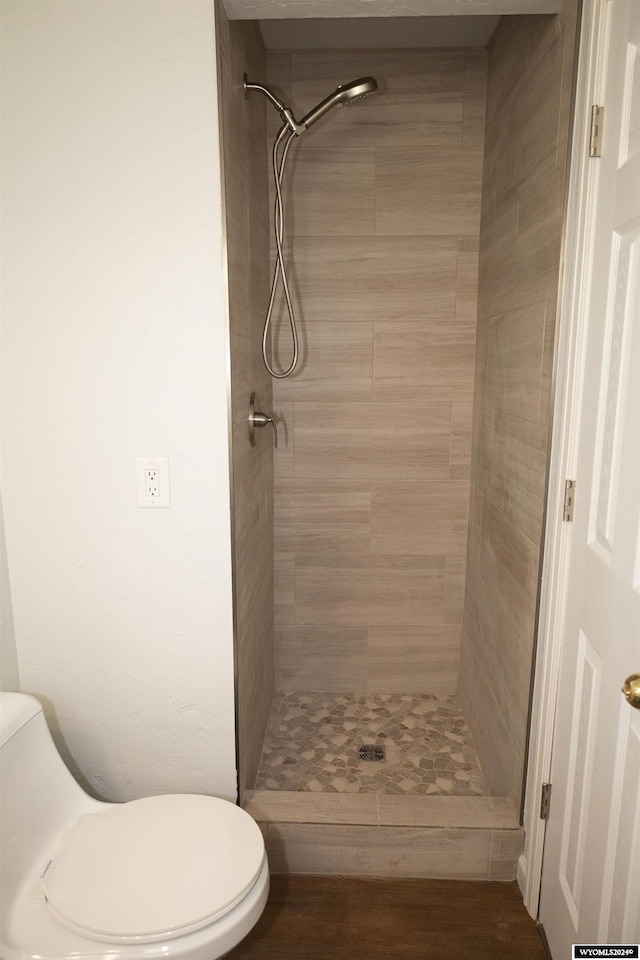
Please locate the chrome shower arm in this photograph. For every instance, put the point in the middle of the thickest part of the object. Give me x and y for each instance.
(285, 112)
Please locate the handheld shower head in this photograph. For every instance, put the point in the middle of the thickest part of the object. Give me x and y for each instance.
(343, 95)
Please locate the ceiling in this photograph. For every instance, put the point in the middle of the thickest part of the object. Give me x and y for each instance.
(354, 33)
(290, 9)
(330, 24)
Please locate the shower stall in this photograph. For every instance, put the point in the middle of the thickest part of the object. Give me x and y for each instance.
(387, 552)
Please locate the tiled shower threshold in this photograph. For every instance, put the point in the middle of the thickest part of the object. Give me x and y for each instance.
(339, 820)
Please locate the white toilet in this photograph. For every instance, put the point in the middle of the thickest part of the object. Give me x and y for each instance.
(177, 877)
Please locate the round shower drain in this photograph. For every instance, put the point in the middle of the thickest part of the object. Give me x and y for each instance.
(370, 751)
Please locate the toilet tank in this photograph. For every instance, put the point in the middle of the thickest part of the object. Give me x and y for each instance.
(39, 798)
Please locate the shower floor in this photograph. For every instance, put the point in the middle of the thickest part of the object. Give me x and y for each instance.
(312, 743)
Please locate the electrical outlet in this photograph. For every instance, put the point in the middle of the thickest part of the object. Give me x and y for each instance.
(153, 482)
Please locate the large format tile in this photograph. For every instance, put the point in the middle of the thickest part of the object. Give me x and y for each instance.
(419, 518)
(488, 453)
(420, 101)
(424, 361)
(525, 474)
(454, 588)
(504, 564)
(514, 362)
(497, 813)
(379, 851)
(460, 448)
(336, 363)
(434, 192)
(475, 88)
(372, 441)
(330, 193)
(327, 657)
(538, 242)
(411, 659)
(467, 282)
(375, 278)
(329, 516)
(281, 806)
(369, 589)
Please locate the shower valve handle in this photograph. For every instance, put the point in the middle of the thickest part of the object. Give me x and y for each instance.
(258, 419)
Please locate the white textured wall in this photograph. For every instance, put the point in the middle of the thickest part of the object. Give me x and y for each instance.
(9, 678)
(114, 347)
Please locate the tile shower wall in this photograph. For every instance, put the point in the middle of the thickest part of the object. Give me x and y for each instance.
(247, 216)
(372, 474)
(528, 103)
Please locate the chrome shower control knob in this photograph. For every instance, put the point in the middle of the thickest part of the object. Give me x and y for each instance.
(258, 419)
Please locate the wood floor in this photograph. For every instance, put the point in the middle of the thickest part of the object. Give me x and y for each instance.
(346, 918)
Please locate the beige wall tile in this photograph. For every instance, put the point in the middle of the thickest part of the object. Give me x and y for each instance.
(412, 659)
(419, 518)
(336, 279)
(423, 361)
(506, 847)
(330, 193)
(460, 447)
(488, 453)
(514, 362)
(323, 657)
(336, 363)
(284, 455)
(546, 395)
(368, 589)
(379, 851)
(501, 765)
(496, 813)
(504, 564)
(408, 297)
(284, 587)
(532, 111)
(539, 238)
(525, 474)
(454, 587)
(326, 516)
(254, 633)
(282, 806)
(475, 527)
(435, 192)
(372, 441)
(420, 101)
(467, 281)
(496, 282)
(475, 86)
(253, 474)
(246, 208)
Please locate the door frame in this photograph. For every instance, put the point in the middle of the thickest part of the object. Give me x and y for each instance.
(567, 387)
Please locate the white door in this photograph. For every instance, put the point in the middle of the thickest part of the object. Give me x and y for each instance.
(591, 868)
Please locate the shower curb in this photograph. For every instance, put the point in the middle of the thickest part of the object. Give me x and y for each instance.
(466, 838)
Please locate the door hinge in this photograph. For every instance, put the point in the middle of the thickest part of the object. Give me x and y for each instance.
(545, 801)
(595, 136)
(569, 499)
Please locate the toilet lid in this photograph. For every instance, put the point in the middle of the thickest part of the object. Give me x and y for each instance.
(153, 869)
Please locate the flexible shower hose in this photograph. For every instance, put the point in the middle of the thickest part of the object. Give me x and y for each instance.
(280, 272)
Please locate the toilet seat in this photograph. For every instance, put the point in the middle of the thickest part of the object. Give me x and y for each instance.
(153, 869)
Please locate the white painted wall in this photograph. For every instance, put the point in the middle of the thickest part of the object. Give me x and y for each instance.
(115, 347)
(9, 677)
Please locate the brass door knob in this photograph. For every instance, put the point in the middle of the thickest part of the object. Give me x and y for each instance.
(631, 690)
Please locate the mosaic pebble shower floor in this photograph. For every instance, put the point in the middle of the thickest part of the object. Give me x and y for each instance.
(312, 744)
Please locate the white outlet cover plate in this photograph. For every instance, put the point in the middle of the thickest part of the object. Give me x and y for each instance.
(161, 464)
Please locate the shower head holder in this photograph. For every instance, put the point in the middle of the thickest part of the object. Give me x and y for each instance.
(341, 96)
